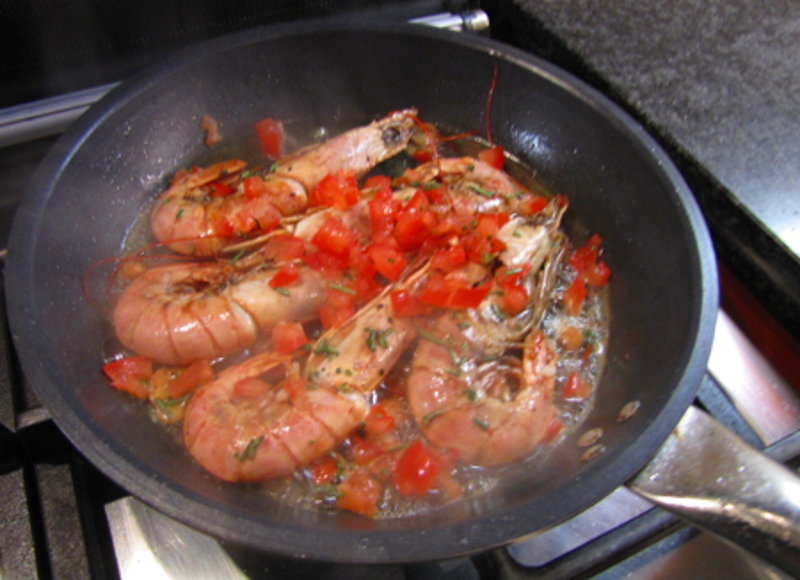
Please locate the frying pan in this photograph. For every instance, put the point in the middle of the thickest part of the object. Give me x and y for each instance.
(110, 163)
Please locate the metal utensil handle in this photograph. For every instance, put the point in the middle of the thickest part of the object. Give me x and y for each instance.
(710, 477)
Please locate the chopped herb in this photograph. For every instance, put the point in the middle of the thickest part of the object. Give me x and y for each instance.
(283, 291)
(433, 338)
(431, 185)
(455, 372)
(344, 388)
(250, 451)
(497, 312)
(343, 288)
(179, 215)
(516, 234)
(426, 420)
(324, 347)
(480, 190)
(238, 256)
(472, 394)
(513, 272)
(482, 424)
(377, 338)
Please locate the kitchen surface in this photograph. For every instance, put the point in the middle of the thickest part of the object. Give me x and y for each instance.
(716, 83)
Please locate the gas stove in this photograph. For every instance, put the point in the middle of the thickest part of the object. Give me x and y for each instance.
(62, 518)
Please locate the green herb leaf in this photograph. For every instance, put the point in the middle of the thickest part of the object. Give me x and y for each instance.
(249, 452)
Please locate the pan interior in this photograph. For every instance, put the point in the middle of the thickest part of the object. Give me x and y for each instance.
(100, 175)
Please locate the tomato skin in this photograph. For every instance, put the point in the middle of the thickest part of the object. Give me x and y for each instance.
(339, 190)
(324, 470)
(360, 493)
(597, 274)
(288, 274)
(494, 156)
(406, 305)
(331, 316)
(131, 375)
(585, 256)
(468, 297)
(287, 337)
(388, 261)
(270, 135)
(416, 470)
(574, 296)
(449, 259)
(334, 237)
(254, 187)
(379, 420)
(364, 451)
(219, 189)
(196, 374)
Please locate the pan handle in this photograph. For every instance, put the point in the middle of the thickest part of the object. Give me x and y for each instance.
(711, 478)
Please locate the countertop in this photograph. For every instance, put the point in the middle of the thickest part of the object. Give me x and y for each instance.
(717, 82)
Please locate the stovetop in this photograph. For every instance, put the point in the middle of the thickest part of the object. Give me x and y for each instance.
(62, 518)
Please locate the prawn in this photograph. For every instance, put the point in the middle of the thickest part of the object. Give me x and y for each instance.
(474, 185)
(464, 389)
(242, 427)
(205, 210)
(182, 312)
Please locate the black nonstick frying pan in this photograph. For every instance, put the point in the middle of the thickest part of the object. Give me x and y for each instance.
(103, 171)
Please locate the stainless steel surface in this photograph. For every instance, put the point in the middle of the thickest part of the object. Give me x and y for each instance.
(153, 546)
(765, 400)
(709, 476)
(618, 508)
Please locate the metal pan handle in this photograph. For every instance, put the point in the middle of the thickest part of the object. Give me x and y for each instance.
(711, 478)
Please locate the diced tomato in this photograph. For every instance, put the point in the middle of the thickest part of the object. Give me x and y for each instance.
(287, 337)
(381, 183)
(468, 297)
(417, 469)
(257, 213)
(482, 243)
(585, 256)
(196, 374)
(449, 259)
(270, 135)
(406, 305)
(364, 451)
(331, 316)
(339, 190)
(254, 186)
(597, 274)
(532, 204)
(288, 274)
(334, 237)
(494, 156)
(341, 295)
(388, 261)
(436, 293)
(574, 296)
(515, 299)
(382, 210)
(577, 388)
(220, 189)
(379, 420)
(329, 265)
(131, 374)
(323, 470)
(410, 230)
(360, 493)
